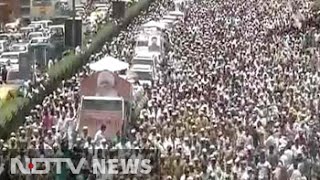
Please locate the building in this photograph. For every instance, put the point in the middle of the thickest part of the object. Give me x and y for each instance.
(10, 10)
(42, 9)
(4, 18)
(25, 8)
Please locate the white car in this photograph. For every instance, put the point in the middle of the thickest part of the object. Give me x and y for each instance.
(153, 24)
(39, 40)
(27, 30)
(80, 12)
(144, 73)
(79, 6)
(37, 27)
(4, 44)
(35, 35)
(168, 22)
(20, 47)
(43, 23)
(5, 36)
(142, 42)
(102, 12)
(12, 57)
(145, 58)
(13, 76)
(57, 33)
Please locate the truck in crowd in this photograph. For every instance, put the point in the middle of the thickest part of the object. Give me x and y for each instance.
(106, 99)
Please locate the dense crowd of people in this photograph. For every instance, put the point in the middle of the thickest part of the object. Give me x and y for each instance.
(49, 130)
(241, 101)
(238, 101)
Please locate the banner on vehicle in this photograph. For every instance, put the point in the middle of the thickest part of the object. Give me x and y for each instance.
(105, 83)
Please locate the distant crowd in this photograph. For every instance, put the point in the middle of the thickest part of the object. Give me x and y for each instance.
(239, 101)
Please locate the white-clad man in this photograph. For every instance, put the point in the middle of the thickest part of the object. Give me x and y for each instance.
(264, 168)
(100, 135)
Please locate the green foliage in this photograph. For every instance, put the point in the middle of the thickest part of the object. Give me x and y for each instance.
(14, 112)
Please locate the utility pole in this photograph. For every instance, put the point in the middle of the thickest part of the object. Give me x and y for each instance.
(34, 69)
(74, 23)
(45, 56)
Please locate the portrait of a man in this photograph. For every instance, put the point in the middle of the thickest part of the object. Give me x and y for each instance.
(154, 46)
(106, 84)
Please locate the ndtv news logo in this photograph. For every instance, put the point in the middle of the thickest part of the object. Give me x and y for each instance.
(99, 166)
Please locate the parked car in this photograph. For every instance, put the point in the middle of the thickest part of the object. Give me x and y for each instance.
(4, 44)
(20, 47)
(9, 57)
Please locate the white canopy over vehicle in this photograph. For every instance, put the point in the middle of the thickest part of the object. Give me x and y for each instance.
(109, 63)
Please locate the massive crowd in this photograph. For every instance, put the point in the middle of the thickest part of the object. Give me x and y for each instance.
(49, 130)
(240, 100)
(244, 104)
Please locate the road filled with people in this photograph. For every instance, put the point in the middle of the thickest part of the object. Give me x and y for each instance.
(237, 98)
(50, 127)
